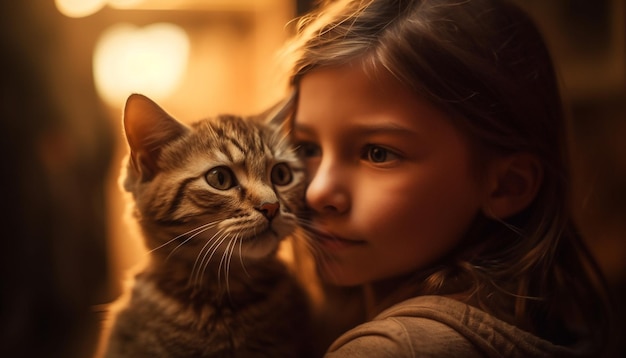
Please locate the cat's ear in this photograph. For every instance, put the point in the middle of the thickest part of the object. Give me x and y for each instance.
(148, 127)
(279, 115)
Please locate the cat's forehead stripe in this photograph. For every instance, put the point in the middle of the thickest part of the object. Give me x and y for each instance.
(234, 142)
(223, 156)
(237, 152)
(238, 141)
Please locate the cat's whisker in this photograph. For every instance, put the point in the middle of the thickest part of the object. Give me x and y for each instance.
(241, 257)
(311, 246)
(219, 266)
(202, 261)
(195, 268)
(201, 227)
(199, 231)
(228, 254)
(319, 255)
(206, 248)
(309, 241)
(208, 242)
(304, 221)
(213, 249)
(306, 224)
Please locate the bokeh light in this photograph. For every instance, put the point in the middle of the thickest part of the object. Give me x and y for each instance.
(79, 8)
(150, 60)
(124, 4)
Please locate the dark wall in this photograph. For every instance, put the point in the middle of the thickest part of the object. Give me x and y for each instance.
(55, 147)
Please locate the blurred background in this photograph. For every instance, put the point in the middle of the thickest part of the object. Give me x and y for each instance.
(68, 66)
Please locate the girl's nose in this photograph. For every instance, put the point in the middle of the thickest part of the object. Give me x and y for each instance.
(327, 191)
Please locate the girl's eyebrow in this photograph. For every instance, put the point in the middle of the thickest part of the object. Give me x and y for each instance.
(365, 129)
(383, 127)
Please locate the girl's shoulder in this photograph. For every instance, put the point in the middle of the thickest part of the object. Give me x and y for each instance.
(442, 327)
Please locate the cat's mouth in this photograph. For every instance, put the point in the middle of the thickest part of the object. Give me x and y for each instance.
(264, 234)
(259, 244)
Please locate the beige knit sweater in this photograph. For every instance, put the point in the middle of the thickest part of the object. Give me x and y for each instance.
(435, 326)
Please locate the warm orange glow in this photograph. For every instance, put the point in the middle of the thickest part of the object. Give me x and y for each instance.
(150, 60)
(79, 8)
(124, 4)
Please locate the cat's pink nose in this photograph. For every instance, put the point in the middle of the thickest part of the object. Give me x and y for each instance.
(269, 210)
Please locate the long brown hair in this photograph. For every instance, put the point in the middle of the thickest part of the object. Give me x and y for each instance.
(486, 63)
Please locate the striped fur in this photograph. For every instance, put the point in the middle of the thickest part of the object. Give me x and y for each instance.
(213, 286)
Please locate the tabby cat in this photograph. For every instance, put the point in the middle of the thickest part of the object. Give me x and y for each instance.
(213, 201)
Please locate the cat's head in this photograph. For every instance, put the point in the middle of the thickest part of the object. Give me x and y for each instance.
(221, 185)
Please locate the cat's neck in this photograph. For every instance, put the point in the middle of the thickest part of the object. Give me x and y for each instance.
(240, 284)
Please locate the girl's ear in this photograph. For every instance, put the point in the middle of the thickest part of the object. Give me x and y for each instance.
(513, 184)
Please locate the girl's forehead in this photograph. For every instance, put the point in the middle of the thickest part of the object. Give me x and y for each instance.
(358, 73)
(358, 90)
(347, 102)
(353, 85)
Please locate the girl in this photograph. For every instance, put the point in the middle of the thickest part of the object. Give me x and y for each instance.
(435, 142)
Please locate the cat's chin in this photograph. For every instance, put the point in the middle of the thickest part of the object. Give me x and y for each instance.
(261, 245)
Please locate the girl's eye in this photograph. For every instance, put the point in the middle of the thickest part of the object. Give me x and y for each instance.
(221, 178)
(281, 174)
(308, 150)
(377, 154)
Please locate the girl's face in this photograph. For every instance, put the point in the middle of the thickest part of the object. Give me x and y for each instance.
(391, 188)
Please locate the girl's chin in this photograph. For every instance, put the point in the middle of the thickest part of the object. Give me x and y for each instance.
(336, 276)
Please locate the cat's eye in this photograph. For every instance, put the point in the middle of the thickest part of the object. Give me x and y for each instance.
(221, 178)
(281, 174)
